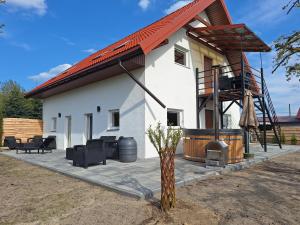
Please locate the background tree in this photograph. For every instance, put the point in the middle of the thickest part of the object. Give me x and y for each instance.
(288, 48)
(14, 104)
(1, 25)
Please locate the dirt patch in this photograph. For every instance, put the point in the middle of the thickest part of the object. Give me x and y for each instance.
(264, 194)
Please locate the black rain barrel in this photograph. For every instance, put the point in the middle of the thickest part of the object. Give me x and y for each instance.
(127, 149)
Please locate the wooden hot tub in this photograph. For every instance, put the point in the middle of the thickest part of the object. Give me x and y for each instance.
(195, 141)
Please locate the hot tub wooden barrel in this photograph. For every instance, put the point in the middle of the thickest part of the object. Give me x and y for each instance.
(195, 141)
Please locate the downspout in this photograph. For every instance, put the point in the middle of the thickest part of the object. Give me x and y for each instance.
(141, 85)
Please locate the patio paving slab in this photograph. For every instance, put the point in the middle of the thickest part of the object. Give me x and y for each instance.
(141, 179)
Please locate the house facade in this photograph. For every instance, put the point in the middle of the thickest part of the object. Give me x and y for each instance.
(97, 98)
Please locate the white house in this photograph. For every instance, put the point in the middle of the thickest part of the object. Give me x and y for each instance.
(96, 97)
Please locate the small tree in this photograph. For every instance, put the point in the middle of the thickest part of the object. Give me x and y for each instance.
(294, 140)
(165, 143)
(1, 129)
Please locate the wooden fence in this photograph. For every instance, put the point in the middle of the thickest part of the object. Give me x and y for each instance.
(21, 128)
(288, 132)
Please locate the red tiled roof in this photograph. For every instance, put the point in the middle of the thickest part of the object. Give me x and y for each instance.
(147, 39)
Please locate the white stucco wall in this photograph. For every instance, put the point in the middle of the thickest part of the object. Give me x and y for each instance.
(172, 83)
(115, 93)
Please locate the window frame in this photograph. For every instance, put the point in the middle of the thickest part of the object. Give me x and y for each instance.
(229, 121)
(185, 53)
(53, 124)
(111, 125)
(89, 126)
(180, 121)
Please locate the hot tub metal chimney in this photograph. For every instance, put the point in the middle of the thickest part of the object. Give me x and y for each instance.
(216, 101)
(216, 151)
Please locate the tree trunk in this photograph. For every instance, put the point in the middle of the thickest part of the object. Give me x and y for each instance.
(167, 166)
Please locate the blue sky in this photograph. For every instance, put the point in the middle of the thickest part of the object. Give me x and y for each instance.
(43, 37)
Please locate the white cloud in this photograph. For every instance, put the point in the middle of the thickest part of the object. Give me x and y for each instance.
(90, 50)
(3, 34)
(24, 46)
(38, 6)
(144, 4)
(266, 12)
(177, 5)
(50, 73)
(66, 40)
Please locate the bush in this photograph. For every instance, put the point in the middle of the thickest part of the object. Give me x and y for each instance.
(294, 140)
(274, 140)
(282, 137)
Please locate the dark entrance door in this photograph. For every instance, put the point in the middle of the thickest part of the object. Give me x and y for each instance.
(209, 122)
(208, 79)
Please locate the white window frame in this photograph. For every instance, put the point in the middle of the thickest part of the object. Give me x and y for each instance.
(229, 121)
(89, 128)
(186, 56)
(180, 117)
(53, 124)
(111, 118)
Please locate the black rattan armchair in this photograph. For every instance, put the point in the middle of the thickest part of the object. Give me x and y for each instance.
(48, 144)
(110, 145)
(90, 154)
(12, 143)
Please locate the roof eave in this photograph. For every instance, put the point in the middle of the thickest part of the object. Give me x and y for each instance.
(107, 63)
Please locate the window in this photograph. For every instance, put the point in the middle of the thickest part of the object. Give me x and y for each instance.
(114, 119)
(227, 121)
(180, 55)
(53, 124)
(174, 118)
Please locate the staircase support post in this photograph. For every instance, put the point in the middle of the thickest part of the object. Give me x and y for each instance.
(197, 99)
(263, 109)
(246, 133)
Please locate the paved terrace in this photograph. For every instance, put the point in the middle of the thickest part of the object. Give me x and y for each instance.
(141, 179)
